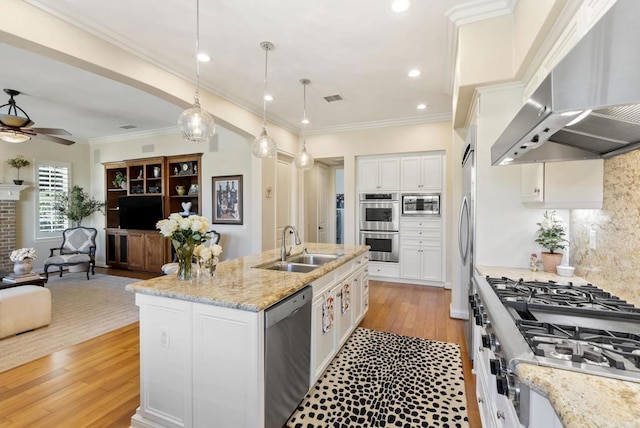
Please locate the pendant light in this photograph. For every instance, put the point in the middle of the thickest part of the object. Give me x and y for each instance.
(195, 124)
(303, 159)
(264, 146)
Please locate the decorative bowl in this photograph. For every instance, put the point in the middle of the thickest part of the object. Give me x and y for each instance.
(565, 270)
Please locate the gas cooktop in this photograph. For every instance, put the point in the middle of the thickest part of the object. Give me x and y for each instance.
(576, 326)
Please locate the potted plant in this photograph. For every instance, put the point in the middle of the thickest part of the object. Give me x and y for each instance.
(551, 236)
(17, 163)
(77, 205)
(120, 180)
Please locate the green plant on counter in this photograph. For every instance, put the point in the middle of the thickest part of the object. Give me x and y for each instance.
(551, 234)
(77, 205)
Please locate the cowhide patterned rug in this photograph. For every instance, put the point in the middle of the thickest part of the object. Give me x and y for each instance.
(387, 380)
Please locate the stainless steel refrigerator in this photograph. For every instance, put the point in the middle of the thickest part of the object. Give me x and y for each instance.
(466, 224)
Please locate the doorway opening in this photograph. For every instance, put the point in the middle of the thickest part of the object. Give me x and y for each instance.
(339, 191)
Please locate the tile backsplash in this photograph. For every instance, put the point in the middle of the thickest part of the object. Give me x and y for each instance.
(615, 262)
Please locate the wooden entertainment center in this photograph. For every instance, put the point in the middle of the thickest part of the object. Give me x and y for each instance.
(176, 179)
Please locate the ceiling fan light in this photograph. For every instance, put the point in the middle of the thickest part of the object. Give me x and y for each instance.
(13, 121)
(196, 125)
(264, 146)
(13, 136)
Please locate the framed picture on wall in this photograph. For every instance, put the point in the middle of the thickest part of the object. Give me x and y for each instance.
(227, 199)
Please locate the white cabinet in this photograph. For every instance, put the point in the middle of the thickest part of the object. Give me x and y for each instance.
(378, 174)
(185, 378)
(384, 269)
(332, 288)
(421, 173)
(421, 249)
(569, 185)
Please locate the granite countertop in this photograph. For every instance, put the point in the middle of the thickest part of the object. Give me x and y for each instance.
(580, 400)
(238, 285)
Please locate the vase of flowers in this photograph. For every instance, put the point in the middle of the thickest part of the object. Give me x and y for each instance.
(21, 259)
(551, 236)
(208, 258)
(17, 163)
(185, 234)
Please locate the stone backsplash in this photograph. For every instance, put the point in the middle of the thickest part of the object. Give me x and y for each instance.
(615, 262)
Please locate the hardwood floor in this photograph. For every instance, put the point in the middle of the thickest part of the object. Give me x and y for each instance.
(96, 383)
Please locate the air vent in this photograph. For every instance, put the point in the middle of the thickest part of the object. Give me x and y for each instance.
(128, 127)
(332, 98)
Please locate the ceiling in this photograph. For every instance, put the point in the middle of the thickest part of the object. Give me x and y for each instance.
(358, 49)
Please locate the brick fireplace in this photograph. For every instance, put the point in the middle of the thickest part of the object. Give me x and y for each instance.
(9, 197)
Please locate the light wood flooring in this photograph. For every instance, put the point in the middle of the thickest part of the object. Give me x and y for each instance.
(96, 383)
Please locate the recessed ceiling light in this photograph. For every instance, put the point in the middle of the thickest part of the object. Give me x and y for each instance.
(400, 5)
(305, 121)
(414, 73)
(422, 106)
(203, 57)
(268, 97)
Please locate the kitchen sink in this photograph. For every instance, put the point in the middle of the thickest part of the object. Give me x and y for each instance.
(313, 259)
(289, 267)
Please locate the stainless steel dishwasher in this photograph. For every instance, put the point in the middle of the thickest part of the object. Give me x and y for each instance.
(287, 353)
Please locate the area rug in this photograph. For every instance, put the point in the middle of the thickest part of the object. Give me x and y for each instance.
(80, 310)
(387, 380)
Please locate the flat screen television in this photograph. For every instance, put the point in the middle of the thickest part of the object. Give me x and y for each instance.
(140, 212)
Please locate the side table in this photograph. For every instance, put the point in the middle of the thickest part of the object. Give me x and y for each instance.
(40, 281)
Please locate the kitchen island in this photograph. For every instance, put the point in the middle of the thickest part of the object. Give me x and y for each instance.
(578, 399)
(202, 342)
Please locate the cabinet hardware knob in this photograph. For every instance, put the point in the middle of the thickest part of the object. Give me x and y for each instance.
(480, 400)
(536, 190)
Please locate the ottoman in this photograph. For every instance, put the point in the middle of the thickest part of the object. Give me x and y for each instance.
(24, 308)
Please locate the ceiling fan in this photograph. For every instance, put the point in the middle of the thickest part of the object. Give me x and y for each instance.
(15, 128)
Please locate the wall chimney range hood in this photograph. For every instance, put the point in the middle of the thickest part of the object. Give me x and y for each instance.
(588, 107)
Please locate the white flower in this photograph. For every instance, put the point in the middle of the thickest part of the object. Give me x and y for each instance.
(21, 254)
(217, 250)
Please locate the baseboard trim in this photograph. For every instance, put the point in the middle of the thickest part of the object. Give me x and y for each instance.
(458, 313)
(406, 281)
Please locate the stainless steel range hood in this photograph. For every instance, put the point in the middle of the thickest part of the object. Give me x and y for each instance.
(589, 106)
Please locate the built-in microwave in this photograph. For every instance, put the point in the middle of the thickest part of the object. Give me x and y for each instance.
(421, 204)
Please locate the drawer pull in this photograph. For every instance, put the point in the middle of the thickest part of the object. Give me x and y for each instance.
(500, 414)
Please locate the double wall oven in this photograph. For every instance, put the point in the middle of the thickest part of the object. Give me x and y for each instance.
(379, 225)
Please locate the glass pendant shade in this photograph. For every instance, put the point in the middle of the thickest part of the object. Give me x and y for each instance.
(196, 125)
(13, 136)
(303, 159)
(264, 146)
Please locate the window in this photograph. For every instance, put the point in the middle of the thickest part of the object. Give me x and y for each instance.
(53, 177)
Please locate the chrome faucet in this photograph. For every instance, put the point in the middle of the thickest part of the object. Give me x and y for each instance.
(283, 249)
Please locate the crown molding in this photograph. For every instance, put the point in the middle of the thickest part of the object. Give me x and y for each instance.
(445, 117)
(135, 135)
(468, 13)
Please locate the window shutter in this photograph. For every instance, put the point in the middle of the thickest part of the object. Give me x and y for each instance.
(51, 180)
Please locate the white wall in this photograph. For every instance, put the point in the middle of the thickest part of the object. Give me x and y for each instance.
(505, 227)
(232, 157)
(26, 209)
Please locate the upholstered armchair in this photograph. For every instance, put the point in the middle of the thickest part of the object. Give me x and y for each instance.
(78, 246)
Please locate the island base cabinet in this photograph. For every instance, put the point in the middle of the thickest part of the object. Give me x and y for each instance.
(198, 365)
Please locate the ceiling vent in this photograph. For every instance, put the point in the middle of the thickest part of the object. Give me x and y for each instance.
(332, 98)
(128, 126)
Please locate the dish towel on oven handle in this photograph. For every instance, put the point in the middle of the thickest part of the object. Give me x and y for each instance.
(328, 311)
(346, 297)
